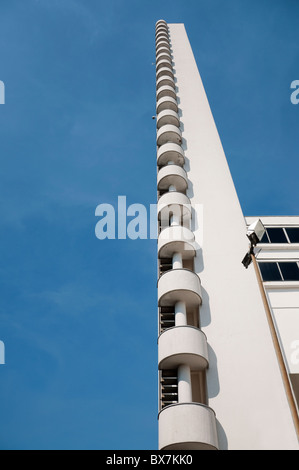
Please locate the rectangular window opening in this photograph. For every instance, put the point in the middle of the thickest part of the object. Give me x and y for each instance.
(277, 235)
(289, 270)
(293, 234)
(169, 387)
(270, 272)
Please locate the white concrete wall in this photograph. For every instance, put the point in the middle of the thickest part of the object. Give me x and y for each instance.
(244, 382)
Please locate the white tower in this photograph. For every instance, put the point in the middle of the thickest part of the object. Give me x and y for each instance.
(220, 384)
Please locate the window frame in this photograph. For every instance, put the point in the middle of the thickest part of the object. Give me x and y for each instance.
(284, 228)
(277, 262)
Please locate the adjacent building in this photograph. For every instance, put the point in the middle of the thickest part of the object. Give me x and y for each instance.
(220, 384)
(277, 256)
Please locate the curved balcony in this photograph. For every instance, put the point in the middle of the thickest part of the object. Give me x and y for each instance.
(164, 63)
(162, 35)
(169, 133)
(163, 50)
(162, 56)
(158, 28)
(173, 202)
(167, 102)
(178, 285)
(199, 434)
(176, 239)
(165, 81)
(161, 22)
(183, 345)
(166, 60)
(164, 71)
(161, 27)
(170, 153)
(162, 43)
(165, 90)
(162, 30)
(172, 175)
(167, 116)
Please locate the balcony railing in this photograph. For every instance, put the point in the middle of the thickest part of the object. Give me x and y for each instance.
(187, 426)
(170, 152)
(183, 345)
(167, 116)
(179, 285)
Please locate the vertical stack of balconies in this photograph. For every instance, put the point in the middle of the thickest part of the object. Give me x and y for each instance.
(185, 420)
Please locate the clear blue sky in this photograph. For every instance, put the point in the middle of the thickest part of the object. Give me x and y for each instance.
(78, 316)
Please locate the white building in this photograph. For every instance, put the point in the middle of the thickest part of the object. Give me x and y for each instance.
(220, 381)
(278, 260)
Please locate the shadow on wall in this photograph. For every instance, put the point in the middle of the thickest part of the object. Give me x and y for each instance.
(212, 375)
(213, 383)
(222, 438)
(205, 313)
(213, 391)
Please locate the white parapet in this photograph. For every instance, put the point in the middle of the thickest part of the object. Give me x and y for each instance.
(163, 50)
(164, 62)
(183, 345)
(176, 239)
(170, 152)
(165, 80)
(171, 201)
(167, 116)
(179, 285)
(162, 43)
(172, 175)
(166, 91)
(187, 426)
(162, 35)
(166, 102)
(169, 133)
(163, 55)
(163, 70)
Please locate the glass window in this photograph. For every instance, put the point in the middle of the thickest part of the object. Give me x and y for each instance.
(270, 272)
(290, 271)
(293, 234)
(265, 238)
(277, 235)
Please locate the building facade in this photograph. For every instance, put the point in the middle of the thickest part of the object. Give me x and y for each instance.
(277, 257)
(220, 384)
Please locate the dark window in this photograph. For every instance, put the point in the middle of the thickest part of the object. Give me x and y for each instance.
(293, 234)
(265, 238)
(169, 387)
(277, 235)
(270, 272)
(290, 271)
